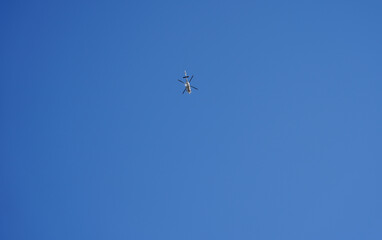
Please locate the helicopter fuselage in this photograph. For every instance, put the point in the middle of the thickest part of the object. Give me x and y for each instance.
(188, 87)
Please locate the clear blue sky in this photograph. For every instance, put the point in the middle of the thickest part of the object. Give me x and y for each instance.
(282, 140)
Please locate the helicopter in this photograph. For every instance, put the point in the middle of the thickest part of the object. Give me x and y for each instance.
(187, 84)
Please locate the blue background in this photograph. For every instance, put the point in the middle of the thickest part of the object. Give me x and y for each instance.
(282, 140)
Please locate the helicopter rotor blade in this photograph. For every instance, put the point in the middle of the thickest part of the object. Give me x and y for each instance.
(194, 87)
(181, 81)
(183, 91)
(191, 78)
